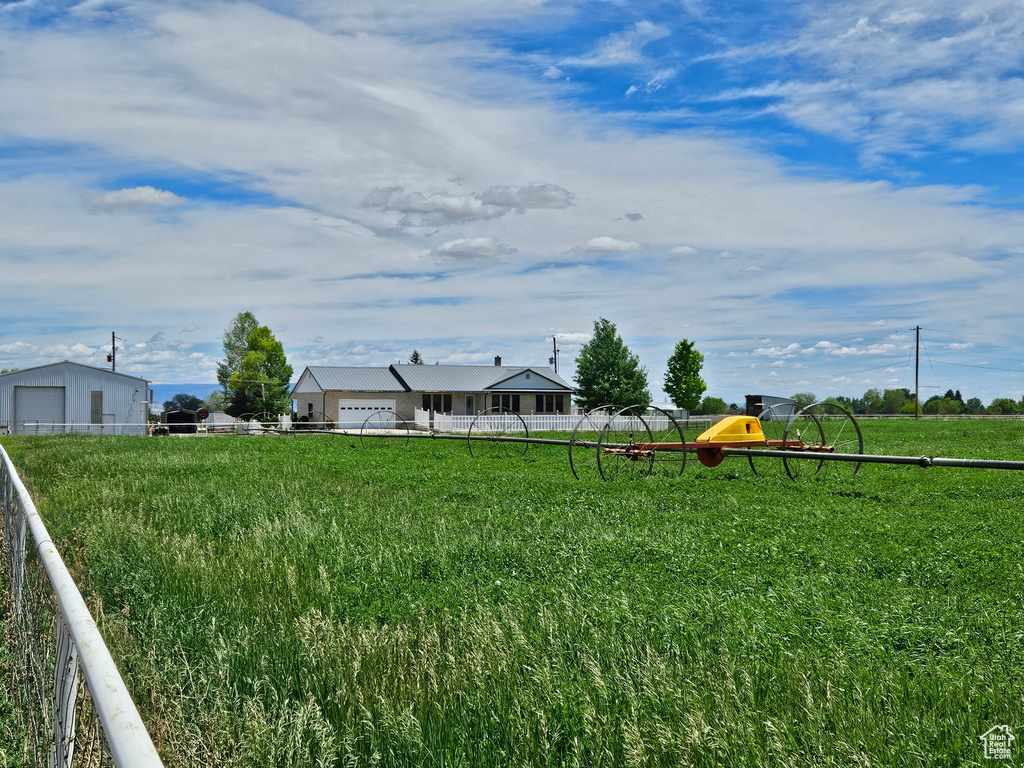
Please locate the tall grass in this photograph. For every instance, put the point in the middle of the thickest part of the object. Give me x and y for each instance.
(297, 602)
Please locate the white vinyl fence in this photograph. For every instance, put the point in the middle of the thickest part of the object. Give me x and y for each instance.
(559, 422)
(56, 637)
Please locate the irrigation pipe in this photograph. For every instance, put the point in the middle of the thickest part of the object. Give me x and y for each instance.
(867, 458)
(809, 455)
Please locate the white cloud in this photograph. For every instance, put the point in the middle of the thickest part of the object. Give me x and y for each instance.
(472, 249)
(892, 85)
(535, 195)
(653, 84)
(619, 49)
(444, 208)
(681, 252)
(607, 245)
(137, 197)
(782, 352)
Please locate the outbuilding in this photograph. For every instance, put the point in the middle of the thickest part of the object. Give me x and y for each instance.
(778, 408)
(72, 397)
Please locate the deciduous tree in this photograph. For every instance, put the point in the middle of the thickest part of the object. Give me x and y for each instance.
(712, 406)
(803, 399)
(607, 373)
(236, 344)
(682, 377)
(184, 401)
(1003, 405)
(259, 372)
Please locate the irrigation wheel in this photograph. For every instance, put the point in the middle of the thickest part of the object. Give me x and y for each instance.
(620, 454)
(584, 439)
(384, 431)
(774, 420)
(490, 432)
(670, 459)
(825, 427)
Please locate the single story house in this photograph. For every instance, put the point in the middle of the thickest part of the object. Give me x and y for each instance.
(349, 395)
(72, 397)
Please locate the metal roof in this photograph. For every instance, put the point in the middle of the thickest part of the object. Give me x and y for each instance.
(424, 378)
(91, 368)
(466, 378)
(332, 378)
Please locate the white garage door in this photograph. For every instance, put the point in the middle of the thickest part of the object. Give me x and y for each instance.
(352, 413)
(38, 409)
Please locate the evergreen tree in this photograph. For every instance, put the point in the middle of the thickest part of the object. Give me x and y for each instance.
(415, 358)
(607, 373)
(682, 378)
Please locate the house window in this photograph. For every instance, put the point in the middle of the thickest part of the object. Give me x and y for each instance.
(550, 404)
(508, 402)
(439, 402)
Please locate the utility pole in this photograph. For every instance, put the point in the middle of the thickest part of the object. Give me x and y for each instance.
(917, 373)
(553, 360)
(112, 357)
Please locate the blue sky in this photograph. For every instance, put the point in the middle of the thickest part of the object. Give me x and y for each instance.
(794, 186)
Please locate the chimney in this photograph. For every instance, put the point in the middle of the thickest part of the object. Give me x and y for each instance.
(497, 359)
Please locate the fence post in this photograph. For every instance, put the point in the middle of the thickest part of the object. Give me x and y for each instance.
(15, 529)
(65, 694)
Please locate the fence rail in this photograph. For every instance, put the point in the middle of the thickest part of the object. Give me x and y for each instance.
(59, 428)
(57, 638)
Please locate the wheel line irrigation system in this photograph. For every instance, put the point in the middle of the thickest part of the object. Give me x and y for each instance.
(821, 432)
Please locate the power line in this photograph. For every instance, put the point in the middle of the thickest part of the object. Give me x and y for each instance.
(974, 333)
(982, 367)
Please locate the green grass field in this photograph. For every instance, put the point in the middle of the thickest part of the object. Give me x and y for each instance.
(287, 601)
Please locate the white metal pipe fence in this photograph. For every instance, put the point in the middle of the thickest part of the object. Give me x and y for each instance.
(59, 428)
(56, 638)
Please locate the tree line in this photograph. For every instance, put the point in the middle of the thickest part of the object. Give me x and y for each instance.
(902, 401)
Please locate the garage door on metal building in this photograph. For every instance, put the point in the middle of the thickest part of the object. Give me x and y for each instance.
(38, 410)
(352, 413)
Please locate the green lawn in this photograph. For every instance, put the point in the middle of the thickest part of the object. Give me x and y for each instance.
(299, 601)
